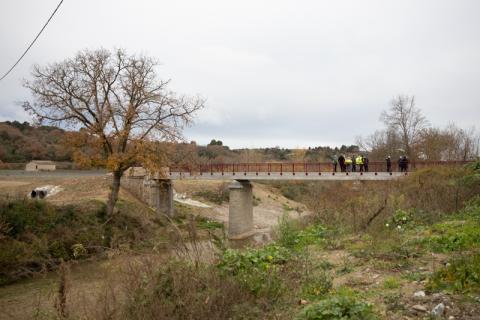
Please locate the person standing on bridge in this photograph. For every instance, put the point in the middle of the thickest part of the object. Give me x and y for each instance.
(365, 163)
(389, 164)
(341, 162)
(404, 164)
(354, 163)
(334, 162)
(348, 164)
(359, 162)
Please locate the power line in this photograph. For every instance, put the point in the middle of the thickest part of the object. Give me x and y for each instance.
(31, 44)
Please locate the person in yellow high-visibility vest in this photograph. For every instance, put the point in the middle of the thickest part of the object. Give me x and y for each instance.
(359, 162)
(348, 164)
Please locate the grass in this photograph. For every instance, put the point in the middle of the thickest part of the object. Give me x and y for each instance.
(391, 283)
(205, 223)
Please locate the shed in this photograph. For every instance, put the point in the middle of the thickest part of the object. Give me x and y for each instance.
(40, 165)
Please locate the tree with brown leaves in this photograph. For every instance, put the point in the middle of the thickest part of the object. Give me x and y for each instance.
(118, 102)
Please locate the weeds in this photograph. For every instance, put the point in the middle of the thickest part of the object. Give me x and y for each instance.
(338, 307)
(180, 291)
(462, 274)
(256, 269)
(317, 286)
(290, 234)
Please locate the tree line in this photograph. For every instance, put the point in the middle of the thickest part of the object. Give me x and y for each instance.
(408, 132)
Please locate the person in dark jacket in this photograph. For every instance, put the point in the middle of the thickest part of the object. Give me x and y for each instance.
(404, 164)
(365, 163)
(389, 164)
(341, 162)
(354, 165)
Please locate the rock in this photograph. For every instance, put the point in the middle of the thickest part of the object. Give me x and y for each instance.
(419, 307)
(302, 302)
(419, 294)
(451, 318)
(438, 311)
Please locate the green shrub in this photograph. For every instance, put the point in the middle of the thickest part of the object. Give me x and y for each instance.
(338, 307)
(36, 235)
(461, 275)
(317, 286)
(256, 269)
(471, 208)
(401, 219)
(454, 236)
(291, 235)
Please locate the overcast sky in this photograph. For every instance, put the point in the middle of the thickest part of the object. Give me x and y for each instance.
(289, 73)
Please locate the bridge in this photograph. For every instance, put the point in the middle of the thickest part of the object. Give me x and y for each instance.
(157, 189)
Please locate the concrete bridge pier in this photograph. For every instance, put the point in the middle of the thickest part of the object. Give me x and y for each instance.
(161, 196)
(240, 215)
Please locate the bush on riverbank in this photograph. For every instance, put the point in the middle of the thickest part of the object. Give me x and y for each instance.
(36, 235)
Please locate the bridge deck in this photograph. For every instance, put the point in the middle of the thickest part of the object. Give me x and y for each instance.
(289, 171)
(338, 176)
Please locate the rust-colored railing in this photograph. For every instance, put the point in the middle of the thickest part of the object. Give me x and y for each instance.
(303, 167)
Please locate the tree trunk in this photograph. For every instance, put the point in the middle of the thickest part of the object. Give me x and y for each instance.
(113, 197)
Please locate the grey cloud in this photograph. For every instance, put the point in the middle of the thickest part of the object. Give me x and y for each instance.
(292, 73)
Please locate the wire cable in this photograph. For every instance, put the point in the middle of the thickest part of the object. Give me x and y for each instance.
(31, 44)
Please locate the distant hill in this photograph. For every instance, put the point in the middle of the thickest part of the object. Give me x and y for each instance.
(22, 142)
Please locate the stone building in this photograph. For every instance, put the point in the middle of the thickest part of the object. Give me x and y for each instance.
(40, 165)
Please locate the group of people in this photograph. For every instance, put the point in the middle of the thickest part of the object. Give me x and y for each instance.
(402, 164)
(351, 164)
(360, 163)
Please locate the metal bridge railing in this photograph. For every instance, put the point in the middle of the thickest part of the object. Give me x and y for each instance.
(301, 167)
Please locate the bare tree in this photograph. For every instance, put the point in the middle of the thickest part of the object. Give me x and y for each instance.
(381, 143)
(116, 98)
(464, 143)
(406, 119)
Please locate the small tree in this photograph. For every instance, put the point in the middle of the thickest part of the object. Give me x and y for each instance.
(407, 120)
(118, 102)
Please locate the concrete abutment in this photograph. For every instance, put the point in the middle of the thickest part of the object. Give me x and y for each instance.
(158, 194)
(240, 213)
(161, 197)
